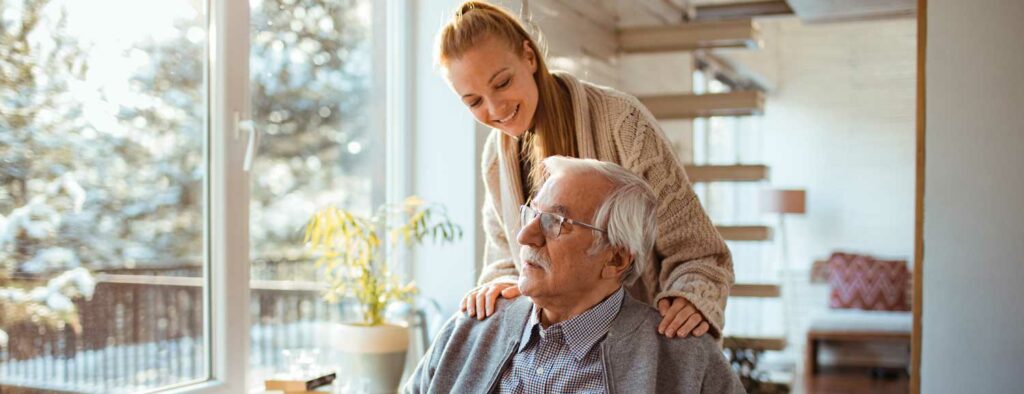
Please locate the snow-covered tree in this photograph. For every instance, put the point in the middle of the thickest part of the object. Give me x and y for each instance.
(38, 145)
(311, 92)
(96, 176)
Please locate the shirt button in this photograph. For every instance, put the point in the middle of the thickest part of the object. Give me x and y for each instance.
(540, 371)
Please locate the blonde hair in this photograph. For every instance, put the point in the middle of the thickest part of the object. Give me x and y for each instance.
(554, 130)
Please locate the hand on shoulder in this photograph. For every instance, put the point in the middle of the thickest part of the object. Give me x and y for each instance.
(480, 302)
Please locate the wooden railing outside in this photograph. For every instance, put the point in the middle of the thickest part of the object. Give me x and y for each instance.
(144, 330)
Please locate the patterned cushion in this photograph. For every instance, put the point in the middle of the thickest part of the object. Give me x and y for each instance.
(862, 282)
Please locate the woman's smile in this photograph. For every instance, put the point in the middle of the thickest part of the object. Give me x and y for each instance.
(509, 118)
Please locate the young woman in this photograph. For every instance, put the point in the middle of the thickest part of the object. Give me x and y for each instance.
(496, 68)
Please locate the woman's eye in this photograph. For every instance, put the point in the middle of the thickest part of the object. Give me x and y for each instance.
(474, 103)
(505, 83)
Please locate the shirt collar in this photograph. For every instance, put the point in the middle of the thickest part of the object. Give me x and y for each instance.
(580, 332)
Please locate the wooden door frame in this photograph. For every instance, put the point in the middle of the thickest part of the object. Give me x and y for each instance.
(915, 342)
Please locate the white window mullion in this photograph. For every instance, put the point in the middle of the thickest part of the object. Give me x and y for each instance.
(394, 53)
(229, 252)
(227, 191)
(391, 53)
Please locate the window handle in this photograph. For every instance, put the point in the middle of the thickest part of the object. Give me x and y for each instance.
(254, 139)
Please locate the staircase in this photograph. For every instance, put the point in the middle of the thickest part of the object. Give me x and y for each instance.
(690, 39)
(690, 36)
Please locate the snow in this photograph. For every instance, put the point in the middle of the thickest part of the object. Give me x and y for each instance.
(115, 369)
(37, 219)
(144, 367)
(51, 259)
(70, 185)
(79, 281)
(13, 296)
(58, 302)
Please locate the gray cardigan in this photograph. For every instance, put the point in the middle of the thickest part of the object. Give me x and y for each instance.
(469, 355)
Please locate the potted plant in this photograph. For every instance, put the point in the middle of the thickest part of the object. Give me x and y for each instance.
(352, 252)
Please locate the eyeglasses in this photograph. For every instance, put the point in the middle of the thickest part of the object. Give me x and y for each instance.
(551, 223)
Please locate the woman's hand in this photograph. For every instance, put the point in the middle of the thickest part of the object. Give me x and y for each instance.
(480, 301)
(680, 318)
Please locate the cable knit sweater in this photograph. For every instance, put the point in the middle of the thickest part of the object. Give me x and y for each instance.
(691, 260)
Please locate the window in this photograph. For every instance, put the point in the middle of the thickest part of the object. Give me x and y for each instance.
(102, 172)
(312, 79)
(123, 224)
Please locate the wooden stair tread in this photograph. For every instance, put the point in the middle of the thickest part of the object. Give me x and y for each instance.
(755, 290)
(757, 343)
(730, 72)
(745, 233)
(690, 36)
(816, 11)
(689, 106)
(740, 10)
(729, 173)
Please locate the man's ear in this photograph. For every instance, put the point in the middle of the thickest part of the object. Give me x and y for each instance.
(617, 266)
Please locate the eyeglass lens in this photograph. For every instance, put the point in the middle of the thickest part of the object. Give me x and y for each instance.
(551, 224)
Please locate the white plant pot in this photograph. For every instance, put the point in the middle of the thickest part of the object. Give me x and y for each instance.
(373, 357)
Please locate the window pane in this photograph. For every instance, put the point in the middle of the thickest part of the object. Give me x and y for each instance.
(102, 138)
(311, 78)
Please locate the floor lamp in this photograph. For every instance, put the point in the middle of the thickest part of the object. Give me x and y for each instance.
(782, 203)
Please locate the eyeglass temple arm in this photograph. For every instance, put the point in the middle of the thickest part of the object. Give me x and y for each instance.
(586, 225)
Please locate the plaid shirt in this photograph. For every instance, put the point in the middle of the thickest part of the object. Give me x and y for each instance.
(564, 357)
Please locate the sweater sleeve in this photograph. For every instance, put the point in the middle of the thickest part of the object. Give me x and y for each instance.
(497, 265)
(691, 259)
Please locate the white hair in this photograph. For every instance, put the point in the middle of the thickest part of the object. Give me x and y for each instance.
(628, 213)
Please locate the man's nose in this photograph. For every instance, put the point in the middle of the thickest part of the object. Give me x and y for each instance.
(531, 234)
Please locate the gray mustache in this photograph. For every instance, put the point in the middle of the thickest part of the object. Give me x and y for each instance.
(533, 255)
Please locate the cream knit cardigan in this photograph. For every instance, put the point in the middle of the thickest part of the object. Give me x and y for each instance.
(690, 260)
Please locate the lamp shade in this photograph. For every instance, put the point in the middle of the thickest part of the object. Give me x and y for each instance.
(784, 201)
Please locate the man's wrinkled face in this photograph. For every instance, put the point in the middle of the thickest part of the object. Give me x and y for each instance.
(562, 267)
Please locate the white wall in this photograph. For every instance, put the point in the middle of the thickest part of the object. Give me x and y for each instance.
(973, 315)
(660, 74)
(445, 165)
(840, 124)
(578, 35)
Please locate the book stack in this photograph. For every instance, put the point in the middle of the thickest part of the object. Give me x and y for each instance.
(304, 384)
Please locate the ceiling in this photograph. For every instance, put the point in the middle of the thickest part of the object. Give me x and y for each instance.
(629, 13)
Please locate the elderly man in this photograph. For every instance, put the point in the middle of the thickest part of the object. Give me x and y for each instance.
(589, 227)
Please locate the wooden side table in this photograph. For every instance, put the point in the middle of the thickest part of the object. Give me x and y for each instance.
(814, 338)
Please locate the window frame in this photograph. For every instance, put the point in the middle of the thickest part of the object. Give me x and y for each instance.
(227, 186)
(226, 191)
